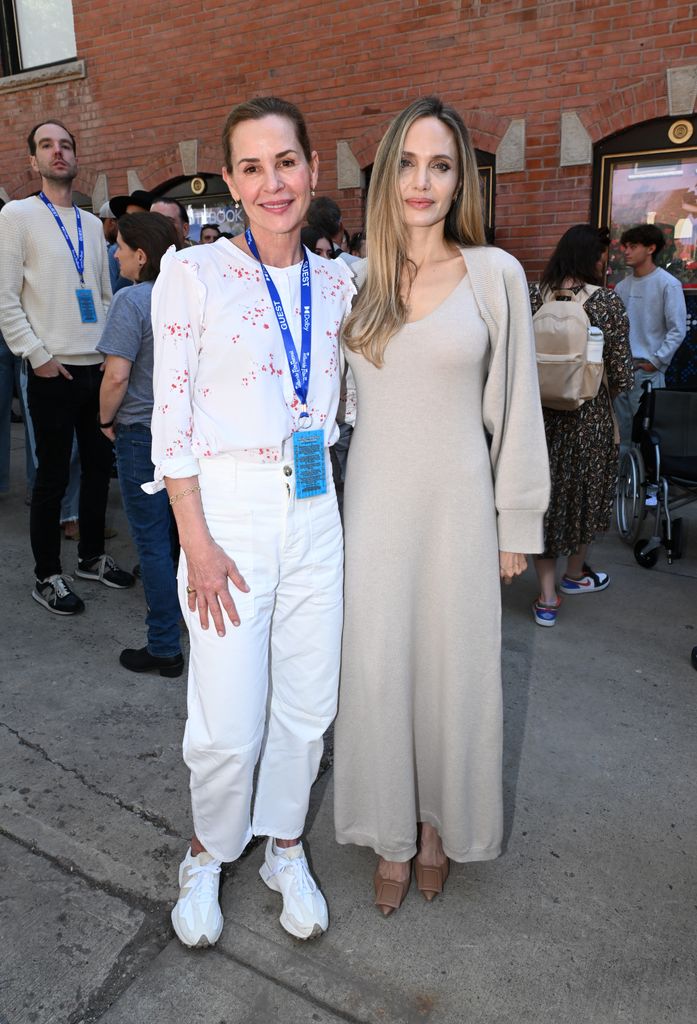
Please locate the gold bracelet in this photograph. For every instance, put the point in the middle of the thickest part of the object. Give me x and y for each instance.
(183, 494)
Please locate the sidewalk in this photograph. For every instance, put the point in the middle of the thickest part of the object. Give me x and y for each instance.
(587, 918)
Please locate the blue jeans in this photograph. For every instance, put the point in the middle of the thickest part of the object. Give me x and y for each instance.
(151, 524)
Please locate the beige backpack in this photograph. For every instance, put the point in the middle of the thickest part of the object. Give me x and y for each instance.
(568, 371)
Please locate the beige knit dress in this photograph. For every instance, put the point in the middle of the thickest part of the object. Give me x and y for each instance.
(419, 731)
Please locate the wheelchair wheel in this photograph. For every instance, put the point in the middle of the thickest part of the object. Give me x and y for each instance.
(647, 559)
(629, 499)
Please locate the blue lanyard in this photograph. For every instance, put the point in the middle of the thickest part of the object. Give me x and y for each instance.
(299, 369)
(79, 256)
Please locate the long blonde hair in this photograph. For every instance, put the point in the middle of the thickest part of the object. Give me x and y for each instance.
(379, 310)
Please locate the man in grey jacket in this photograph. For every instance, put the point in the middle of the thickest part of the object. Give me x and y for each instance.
(657, 318)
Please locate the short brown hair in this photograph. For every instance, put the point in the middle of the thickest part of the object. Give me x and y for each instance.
(255, 110)
(644, 234)
(31, 138)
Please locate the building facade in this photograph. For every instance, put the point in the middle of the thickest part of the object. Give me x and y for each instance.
(579, 109)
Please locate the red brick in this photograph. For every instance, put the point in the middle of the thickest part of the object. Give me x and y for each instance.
(164, 72)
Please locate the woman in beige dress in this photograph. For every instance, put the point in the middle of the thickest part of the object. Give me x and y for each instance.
(446, 488)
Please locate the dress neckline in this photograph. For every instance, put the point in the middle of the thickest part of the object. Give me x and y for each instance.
(423, 319)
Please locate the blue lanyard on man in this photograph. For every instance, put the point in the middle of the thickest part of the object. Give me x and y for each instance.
(299, 368)
(85, 299)
(79, 256)
(308, 445)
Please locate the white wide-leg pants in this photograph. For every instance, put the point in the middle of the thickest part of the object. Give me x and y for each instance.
(267, 691)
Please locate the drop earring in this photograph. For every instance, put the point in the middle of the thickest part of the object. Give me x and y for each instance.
(312, 193)
(237, 204)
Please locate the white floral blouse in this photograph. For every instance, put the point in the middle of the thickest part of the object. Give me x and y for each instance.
(221, 379)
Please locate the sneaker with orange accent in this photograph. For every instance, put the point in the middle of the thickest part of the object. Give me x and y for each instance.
(589, 583)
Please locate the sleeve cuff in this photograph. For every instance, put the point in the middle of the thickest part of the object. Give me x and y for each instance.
(521, 531)
(38, 357)
(177, 469)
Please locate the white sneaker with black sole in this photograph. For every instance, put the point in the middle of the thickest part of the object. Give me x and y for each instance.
(55, 594)
(286, 870)
(197, 918)
(106, 571)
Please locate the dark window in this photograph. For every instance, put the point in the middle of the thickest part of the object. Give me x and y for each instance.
(35, 35)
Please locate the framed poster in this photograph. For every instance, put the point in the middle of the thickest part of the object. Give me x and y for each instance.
(648, 174)
(639, 183)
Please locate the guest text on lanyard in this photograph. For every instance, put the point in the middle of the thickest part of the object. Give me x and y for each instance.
(85, 299)
(299, 368)
(308, 445)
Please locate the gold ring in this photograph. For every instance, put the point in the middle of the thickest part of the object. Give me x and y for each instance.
(191, 590)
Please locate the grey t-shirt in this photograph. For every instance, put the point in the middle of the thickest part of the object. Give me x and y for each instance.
(128, 333)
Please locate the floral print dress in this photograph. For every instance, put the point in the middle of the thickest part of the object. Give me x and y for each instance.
(583, 455)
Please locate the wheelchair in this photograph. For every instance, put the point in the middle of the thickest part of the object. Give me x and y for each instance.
(658, 475)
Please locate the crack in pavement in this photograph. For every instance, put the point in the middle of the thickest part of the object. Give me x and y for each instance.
(296, 990)
(144, 903)
(155, 932)
(156, 820)
(147, 944)
(149, 941)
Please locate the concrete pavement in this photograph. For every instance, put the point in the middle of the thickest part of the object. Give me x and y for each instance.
(588, 917)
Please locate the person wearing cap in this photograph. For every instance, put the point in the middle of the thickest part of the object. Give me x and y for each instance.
(110, 228)
(54, 295)
(139, 201)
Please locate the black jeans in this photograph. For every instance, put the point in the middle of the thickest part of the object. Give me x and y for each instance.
(58, 407)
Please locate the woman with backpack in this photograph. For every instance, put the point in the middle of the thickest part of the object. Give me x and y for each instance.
(583, 454)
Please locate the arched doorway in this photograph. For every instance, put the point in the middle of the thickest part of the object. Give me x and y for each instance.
(207, 201)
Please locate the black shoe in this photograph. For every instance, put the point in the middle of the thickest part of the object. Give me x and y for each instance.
(694, 657)
(144, 661)
(55, 594)
(106, 571)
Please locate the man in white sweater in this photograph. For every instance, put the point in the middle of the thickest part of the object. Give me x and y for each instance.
(54, 294)
(657, 318)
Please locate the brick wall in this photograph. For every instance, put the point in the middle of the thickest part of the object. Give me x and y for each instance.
(171, 73)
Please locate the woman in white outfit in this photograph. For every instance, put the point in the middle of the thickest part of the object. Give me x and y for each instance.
(246, 393)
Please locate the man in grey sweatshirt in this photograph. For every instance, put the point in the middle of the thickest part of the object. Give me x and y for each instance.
(657, 318)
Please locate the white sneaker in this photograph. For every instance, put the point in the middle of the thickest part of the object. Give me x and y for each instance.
(304, 908)
(197, 918)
